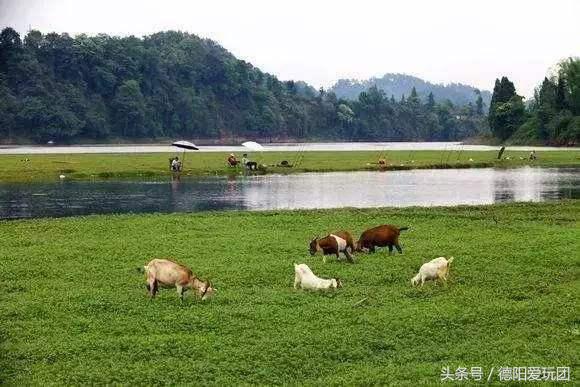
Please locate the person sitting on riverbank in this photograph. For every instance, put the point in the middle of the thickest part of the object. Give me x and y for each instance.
(232, 160)
(176, 165)
(533, 155)
(251, 165)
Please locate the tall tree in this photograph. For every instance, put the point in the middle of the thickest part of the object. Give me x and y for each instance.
(569, 72)
(413, 97)
(9, 41)
(546, 107)
(506, 111)
(561, 100)
(478, 103)
(430, 105)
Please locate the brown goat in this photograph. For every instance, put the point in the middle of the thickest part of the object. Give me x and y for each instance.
(335, 243)
(380, 236)
(169, 274)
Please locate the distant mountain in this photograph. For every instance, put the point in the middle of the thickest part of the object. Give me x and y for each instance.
(401, 84)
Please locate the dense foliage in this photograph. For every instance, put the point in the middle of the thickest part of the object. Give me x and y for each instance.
(551, 117)
(174, 84)
(506, 112)
(399, 85)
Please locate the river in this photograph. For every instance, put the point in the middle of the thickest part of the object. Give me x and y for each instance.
(437, 187)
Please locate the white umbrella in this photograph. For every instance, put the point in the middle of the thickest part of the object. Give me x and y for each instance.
(253, 146)
(185, 145)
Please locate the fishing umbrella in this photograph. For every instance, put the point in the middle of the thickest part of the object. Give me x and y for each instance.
(253, 146)
(185, 145)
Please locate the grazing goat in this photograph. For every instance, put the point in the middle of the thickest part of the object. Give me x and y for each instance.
(169, 274)
(380, 236)
(436, 269)
(307, 280)
(335, 243)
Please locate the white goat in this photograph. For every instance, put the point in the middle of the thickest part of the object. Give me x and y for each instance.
(435, 269)
(307, 280)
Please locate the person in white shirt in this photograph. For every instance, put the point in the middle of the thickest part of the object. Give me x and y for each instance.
(176, 165)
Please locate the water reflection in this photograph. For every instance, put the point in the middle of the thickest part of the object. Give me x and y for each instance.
(310, 190)
(533, 185)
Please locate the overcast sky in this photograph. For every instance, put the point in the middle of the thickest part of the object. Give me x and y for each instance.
(465, 41)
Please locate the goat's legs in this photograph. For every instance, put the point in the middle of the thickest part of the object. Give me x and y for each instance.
(180, 291)
(348, 256)
(296, 281)
(152, 287)
(399, 249)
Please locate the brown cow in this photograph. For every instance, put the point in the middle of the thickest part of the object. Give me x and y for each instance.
(335, 243)
(380, 236)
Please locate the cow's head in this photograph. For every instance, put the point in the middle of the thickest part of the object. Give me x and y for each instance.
(338, 283)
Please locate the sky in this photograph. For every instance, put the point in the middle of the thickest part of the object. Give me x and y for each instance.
(318, 41)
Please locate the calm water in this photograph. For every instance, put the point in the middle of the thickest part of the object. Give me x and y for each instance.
(309, 190)
(334, 146)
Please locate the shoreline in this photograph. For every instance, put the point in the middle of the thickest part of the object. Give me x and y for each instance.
(475, 208)
(46, 168)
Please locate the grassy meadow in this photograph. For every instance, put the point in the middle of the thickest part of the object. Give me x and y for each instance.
(29, 168)
(74, 308)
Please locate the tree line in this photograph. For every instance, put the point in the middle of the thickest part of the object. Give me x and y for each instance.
(174, 84)
(552, 116)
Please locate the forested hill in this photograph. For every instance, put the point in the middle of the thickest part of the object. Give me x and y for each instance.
(552, 116)
(399, 85)
(173, 84)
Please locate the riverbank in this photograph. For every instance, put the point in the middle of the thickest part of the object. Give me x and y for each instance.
(30, 168)
(75, 310)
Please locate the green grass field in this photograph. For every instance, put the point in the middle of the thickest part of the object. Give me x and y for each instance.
(13, 168)
(74, 309)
